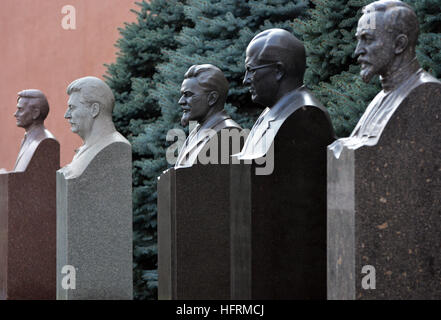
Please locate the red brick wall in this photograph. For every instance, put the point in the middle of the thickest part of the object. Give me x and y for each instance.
(38, 53)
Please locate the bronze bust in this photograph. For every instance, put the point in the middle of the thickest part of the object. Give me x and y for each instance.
(32, 110)
(203, 95)
(275, 66)
(386, 50)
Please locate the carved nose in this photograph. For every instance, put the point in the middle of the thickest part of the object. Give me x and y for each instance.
(359, 50)
(246, 79)
(182, 101)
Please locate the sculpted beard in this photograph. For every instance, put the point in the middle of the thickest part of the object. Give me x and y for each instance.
(185, 119)
(366, 72)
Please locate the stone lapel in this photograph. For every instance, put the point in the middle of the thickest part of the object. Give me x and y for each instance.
(200, 136)
(268, 124)
(30, 143)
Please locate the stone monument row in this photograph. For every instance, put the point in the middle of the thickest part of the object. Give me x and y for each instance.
(287, 211)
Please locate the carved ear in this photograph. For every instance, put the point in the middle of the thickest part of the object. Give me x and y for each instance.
(95, 109)
(280, 70)
(35, 113)
(213, 96)
(401, 43)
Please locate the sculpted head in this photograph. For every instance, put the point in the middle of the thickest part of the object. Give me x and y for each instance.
(387, 35)
(203, 93)
(90, 100)
(275, 64)
(32, 108)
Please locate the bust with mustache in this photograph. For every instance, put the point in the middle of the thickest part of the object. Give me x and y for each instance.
(387, 36)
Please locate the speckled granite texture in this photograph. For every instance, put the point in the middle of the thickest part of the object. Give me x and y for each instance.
(28, 227)
(384, 207)
(94, 227)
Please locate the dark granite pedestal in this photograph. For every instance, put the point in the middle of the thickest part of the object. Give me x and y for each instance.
(279, 225)
(384, 207)
(194, 233)
(28, 227)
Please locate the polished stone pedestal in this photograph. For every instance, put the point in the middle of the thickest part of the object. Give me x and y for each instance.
(279, 238)
(194, 233)
(384, 208)
(28, 227)
(94, 227)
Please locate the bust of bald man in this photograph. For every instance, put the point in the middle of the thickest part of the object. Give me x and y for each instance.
(32, 110)
(288, 205)
(275, 65)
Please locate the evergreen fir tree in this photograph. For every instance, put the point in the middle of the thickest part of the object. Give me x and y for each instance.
(333, 74)
(218, 33)
(131, 78)
(170, 36)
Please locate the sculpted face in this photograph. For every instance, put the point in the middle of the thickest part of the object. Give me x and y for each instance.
(375, 47)
(193, 101)
(260, 76)
(79, 115)
(25, 113)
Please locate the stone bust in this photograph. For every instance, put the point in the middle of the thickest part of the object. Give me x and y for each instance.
(275, 66)
(32, 110)
(89, 113)
(203, 95)
(387, 35)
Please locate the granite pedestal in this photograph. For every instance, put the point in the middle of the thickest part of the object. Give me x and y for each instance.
(279, 237)
(384, 207)
(194, 233)
(28, 227)
(94, 227)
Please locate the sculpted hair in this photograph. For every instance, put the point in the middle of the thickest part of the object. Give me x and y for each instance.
(398, 16)
(94, 90)
(280, 45)
(36, 99)
(210, 78)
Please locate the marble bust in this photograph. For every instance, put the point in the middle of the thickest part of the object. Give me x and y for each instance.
(89, 113)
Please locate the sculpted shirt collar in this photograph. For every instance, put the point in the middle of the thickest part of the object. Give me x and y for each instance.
(211, 122)
(260, 138)
(197, 138)
(278, 109)
(34, 133)
(391, 82)
(369, 128)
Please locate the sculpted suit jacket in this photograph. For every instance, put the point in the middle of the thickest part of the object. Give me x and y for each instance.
(29, 144)
(84, 155)
(271, 120)
(201, 135)
(377, 115)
